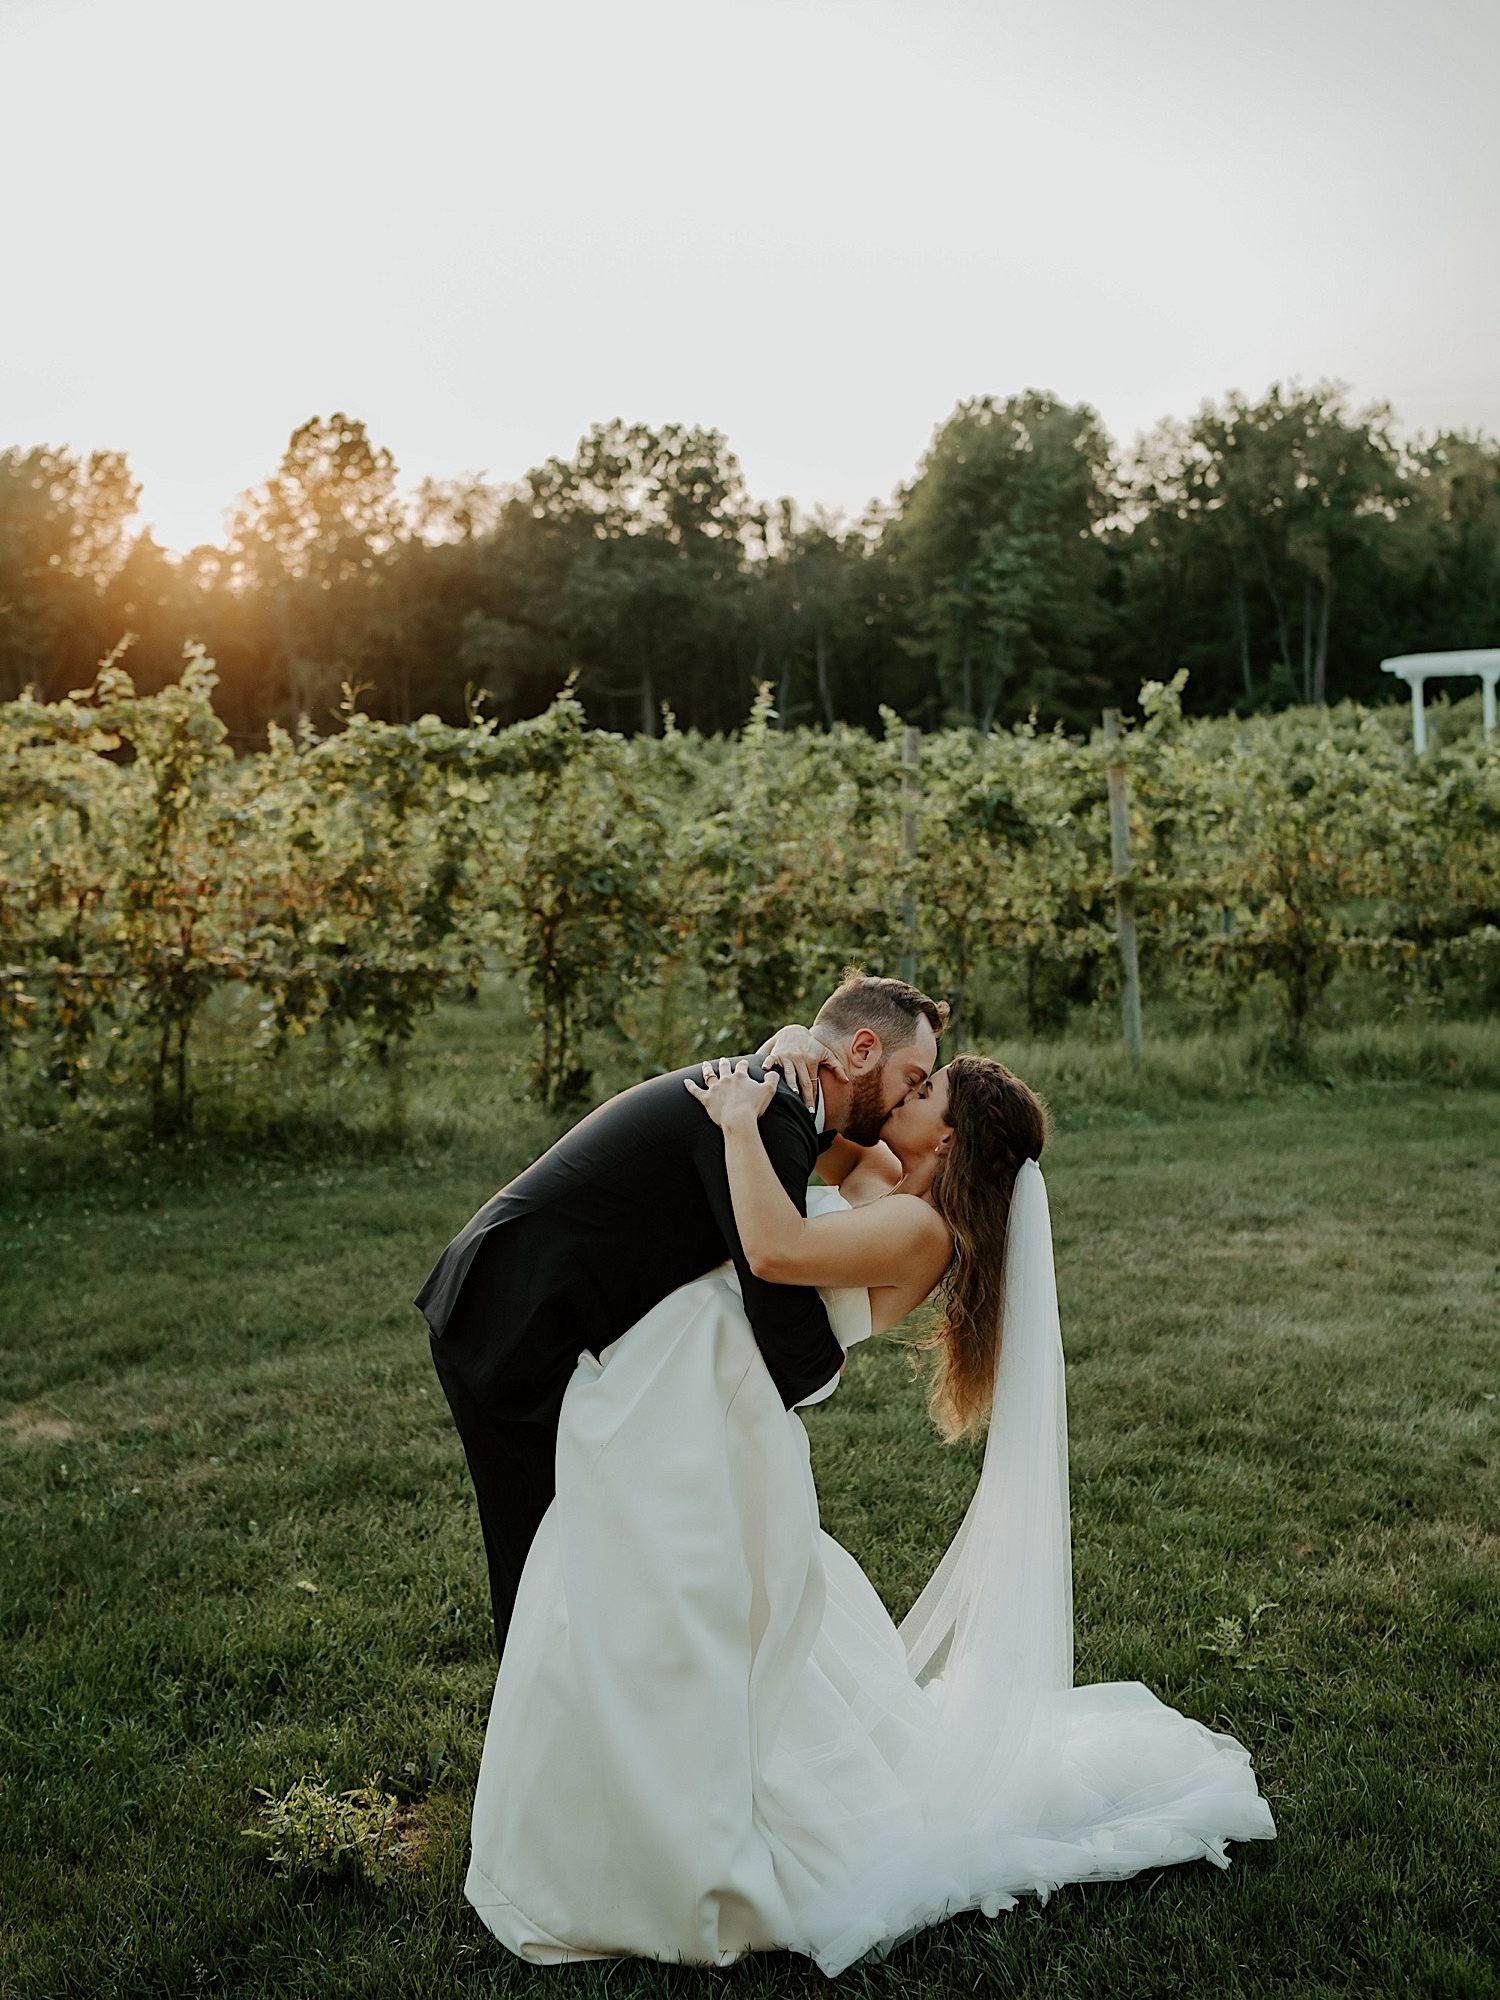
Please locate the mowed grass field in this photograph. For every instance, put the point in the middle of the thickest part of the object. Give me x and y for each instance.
(239, 1542)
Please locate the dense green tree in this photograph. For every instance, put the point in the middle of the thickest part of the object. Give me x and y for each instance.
(999, 539)
(1452, 544)
(1252, 522)
(312, 548)
(804, 597)
(625, 563)
(64, 524)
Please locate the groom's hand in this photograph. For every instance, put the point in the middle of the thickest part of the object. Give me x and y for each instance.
(730, 1094)
(799, 1053)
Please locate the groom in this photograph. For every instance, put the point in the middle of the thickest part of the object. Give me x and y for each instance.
(630, 1204)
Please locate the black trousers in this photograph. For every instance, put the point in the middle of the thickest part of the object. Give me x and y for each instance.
(514, 1469)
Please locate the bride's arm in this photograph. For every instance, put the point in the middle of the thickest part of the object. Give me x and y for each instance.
(857, 1246)
(905, 1243)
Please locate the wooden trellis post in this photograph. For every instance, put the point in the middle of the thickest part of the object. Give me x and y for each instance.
(911, 792)
(1119, 846)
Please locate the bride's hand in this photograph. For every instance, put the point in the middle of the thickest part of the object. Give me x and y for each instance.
(729, 1093)
(799, 1054)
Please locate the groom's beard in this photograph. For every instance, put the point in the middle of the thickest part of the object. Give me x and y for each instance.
(866, 1108)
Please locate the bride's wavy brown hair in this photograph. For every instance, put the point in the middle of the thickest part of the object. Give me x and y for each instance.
(998, 1124)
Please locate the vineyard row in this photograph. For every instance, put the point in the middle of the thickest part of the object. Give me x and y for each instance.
(349, 879)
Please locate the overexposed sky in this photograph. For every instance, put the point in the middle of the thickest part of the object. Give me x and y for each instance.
(815, 225)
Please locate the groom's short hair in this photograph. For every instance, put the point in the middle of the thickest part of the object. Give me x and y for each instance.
(888, 1006)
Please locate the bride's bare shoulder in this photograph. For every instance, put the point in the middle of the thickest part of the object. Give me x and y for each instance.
(920, 1215)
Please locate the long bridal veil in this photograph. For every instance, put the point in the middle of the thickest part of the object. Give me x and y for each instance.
(994, 1625)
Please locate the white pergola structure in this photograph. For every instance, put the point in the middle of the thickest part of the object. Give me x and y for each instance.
(1416, 669)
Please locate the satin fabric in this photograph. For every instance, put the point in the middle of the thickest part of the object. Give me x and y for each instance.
(708, 1737)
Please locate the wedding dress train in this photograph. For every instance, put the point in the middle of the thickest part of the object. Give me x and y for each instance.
(708, 1737)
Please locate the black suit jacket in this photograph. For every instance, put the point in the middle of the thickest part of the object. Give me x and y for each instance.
(630, 1204)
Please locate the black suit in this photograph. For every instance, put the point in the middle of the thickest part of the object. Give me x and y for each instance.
(630, 1204)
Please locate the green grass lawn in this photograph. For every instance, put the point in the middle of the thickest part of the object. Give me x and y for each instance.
(240, 1543)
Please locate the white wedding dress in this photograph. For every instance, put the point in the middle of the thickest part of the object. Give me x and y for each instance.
(708, 1737)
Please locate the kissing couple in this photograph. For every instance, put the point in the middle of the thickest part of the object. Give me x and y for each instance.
(708, 1737)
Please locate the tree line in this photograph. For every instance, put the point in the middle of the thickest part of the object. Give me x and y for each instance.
(1276, 550)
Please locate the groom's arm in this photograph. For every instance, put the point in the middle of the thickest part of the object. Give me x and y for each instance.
(789, 1322)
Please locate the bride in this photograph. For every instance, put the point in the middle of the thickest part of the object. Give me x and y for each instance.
(707, 1736)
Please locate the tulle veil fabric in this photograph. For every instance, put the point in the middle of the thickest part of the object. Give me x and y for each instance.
(995, 1621)
(708, 1736)
(990, 1637)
